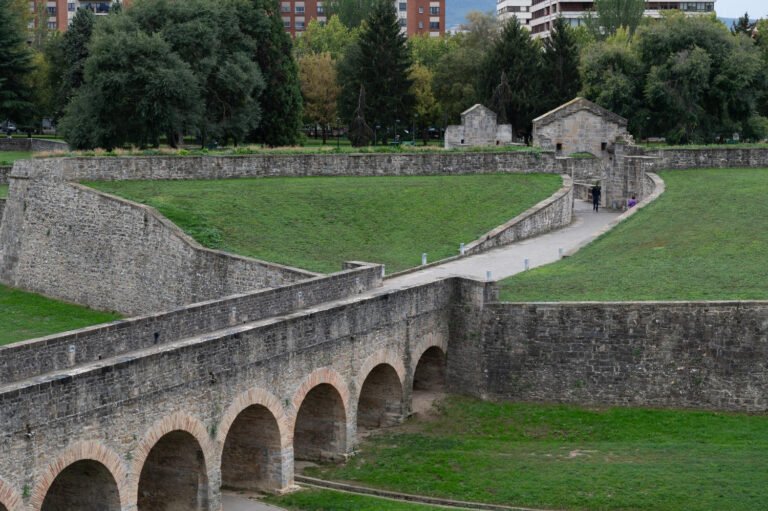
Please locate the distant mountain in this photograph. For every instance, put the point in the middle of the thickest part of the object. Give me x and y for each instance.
(728, 21)
(457, 9)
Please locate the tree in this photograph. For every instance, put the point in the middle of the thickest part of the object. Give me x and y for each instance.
(352, 13)
(136, 88)
(518, 56)
(611, 15)
(281, 106)
(427, 110)
(332, 37)
(16, 64)
(379, 62)
(360, 134)
(561, 64)
(427, 50)
(320, 90)
(501, 101)
(743, 25)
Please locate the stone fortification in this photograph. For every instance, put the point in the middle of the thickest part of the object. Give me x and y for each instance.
(5, 172)
(674, 159)
(70, 242)
(686, 354)
(58, 352)
(34, 145)
(478, 128)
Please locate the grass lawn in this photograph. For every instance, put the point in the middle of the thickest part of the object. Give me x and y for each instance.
(8, 157)
(3, 191)
(27, 315)
(564, 457)
(705, 238)
(318, 222)
(326, 500)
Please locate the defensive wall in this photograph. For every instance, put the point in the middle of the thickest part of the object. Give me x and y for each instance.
(34, 145)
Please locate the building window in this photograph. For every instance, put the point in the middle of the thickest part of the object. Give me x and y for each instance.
(299, 25)
(300, 9)
(51, 10)
(52, 25)
(421, 24)
(285, 7)
(71, 7)
(434, 11)
(320, 10)
(403, 7)
(421, 10)
(402, 22)
(434, 25)
(286, 23)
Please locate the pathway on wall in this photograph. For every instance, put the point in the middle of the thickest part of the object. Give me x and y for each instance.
(506, 261)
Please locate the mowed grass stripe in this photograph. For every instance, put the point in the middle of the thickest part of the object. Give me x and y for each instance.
(705, 238)
(566, 457)
(317, 223)
(28, 315)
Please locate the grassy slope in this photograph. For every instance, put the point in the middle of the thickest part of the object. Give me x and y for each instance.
(8, 157)
(563, 457)
(325, 500)
(316, 223)
(3, 191)
(705, 238)
(27, 315)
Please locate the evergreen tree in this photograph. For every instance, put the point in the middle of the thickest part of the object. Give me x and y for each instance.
(561, 64)
(379, 62)
(502, 100)
(360, 134)
(281, 106)
(519, 56)
(743, 25)
(15, 65)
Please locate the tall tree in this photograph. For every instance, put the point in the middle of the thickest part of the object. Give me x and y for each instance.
(360, 134)
(15, 64)
(351, 12)
(743, 25)
(610, 15)
(332, 37)
(379, 62)
(320, 90)
(427, 50)
(427, 110)
(501, 101)
(519, 56)
(561, 64)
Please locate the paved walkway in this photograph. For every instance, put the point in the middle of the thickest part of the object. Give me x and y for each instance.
(506, 261)
(237, 502)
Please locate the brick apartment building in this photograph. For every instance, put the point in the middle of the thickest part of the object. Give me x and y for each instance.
(415, 16)
(61, 12)
(539, 14)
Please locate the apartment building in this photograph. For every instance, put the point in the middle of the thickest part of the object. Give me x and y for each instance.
(520, 9)
(538, 15)
(60, 12)
(415, 16)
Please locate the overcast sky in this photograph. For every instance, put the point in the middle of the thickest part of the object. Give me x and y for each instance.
(736, 8)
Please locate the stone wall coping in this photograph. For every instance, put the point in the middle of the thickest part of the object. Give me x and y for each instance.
(641, 303)
(188, 240)
(476, 245)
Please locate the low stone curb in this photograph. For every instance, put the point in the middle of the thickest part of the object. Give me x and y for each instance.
(406, 497)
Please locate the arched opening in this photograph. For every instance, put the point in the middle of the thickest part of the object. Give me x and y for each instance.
(320, 432)
(85, 485)
(252, 458)
(381, 399)
(428, 380)
(173, 477)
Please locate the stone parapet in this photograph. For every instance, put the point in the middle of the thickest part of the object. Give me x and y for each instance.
(33, 145)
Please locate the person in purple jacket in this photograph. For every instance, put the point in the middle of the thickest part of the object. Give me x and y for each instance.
(631, 203)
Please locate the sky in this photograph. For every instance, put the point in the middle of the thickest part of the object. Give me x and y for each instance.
(456, 9)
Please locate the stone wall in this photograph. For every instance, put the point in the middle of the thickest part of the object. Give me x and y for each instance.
(72, 243)
(478, 128)
(5, 172)
(709, 158)
(552, 213)
(34, 145)
(61, 351)
(668, 354)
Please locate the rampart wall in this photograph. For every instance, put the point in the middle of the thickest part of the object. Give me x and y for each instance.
(5, 172)
(660, 354)
(709, 158)
(35, 145)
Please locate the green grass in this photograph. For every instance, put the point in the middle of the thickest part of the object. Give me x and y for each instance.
(326, 500)
(27, 315)
(8, 157)
(564, 457)
(3, 191)
(317, 223)
(705, 238)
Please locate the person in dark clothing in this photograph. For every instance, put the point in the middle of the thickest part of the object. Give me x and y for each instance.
(596, 197)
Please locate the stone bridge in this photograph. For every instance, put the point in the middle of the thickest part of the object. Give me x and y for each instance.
(217, 395)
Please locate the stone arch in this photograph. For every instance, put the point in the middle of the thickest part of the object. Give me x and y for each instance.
(320, 415)
(179, 436)
(429, 372)
(380, 385)
(9, 499)
(91, 451)
(253, 435)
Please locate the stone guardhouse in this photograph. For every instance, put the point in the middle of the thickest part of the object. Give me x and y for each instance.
(580, 126)
(478, 128)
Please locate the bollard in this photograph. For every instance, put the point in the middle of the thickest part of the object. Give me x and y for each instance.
(424, 258)
(383, 270)
(527, 264)
(461, 249)
(488, 275)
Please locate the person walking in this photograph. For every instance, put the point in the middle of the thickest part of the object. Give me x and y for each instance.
(596, 192)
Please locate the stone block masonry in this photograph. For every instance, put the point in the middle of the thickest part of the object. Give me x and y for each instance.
(5, 172)
(33, 145)
(661, 354)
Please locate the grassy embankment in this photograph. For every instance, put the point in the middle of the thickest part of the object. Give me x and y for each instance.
(8, 157)
(27, 315)
(317, 223)
(565, 457)
(326, 500)
(705, 238)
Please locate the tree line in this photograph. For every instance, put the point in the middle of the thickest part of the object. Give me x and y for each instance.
(226, 71)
